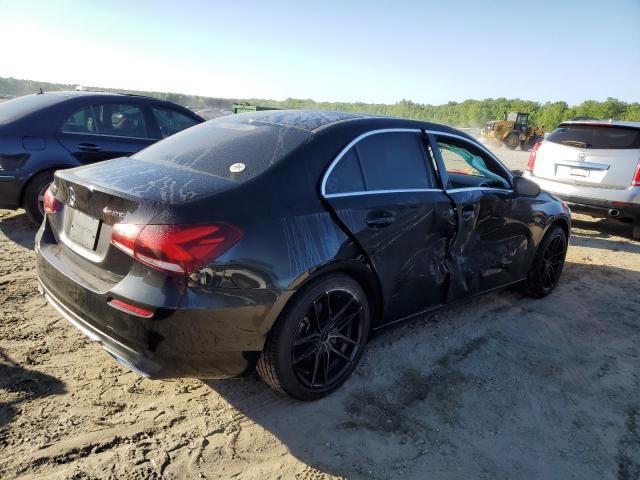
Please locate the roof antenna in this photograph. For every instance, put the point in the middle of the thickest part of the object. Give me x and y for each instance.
(41, 92)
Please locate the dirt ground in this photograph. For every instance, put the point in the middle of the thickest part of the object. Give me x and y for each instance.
(503, 387)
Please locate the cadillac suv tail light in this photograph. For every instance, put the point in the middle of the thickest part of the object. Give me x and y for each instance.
(531, 163)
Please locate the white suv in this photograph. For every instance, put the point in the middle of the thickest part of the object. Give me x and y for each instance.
(594, 166)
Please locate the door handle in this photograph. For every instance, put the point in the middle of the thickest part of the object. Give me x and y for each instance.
(88, 147)
(380, 219)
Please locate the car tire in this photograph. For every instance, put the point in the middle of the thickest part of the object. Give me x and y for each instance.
(511, 141)
(307, 344)
(547, 264)
(636, 230)
(34, 194)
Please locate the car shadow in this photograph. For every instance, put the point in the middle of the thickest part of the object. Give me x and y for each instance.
(428, 392)
(17, 227)
(22, 385)
(603, 233)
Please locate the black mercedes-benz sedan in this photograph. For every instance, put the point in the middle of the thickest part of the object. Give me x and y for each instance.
(282, 239)
(47, 131)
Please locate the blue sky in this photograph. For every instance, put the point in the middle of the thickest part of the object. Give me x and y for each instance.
(385, 51)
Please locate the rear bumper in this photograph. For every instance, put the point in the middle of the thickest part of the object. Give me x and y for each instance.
(216, 333)
(126, 356)
(595, 201)
(602, 208)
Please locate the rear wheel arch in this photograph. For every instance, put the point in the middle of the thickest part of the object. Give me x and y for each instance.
(358, 271)
(48, 169)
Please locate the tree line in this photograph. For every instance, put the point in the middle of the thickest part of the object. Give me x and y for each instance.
(470, 113)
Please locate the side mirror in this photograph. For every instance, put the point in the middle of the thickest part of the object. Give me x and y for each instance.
(526, 187)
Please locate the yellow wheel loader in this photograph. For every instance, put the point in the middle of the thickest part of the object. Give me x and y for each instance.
(513, 131)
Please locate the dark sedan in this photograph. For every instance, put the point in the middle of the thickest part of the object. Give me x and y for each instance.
(283, 239)
(44, 132)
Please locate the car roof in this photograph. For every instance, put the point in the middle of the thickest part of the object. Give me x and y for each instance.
(97, 93)
(319, 120)
(611, 123)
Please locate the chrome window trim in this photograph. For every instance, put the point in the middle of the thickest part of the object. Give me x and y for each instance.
(110, 136)
(470, 189)
(346, 149)
(375, 192)
(477, 145)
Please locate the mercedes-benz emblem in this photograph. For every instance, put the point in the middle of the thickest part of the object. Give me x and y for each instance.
(582, 156)
(72, 197)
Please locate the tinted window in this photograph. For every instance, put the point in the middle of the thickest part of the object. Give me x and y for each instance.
(80, 122)
(212, 147)
(590, 136)
(393, 161)
(171, 121)
(346, 176)
(120, 120)
(20, 107)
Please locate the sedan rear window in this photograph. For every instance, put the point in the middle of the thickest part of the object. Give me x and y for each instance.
(227, 147)
(595, 136)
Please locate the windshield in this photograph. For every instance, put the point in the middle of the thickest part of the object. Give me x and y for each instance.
(227, 147)
(20, 107)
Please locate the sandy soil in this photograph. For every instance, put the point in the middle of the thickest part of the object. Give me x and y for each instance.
(503, 387)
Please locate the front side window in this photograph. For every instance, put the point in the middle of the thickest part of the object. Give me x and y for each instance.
(80, 122)
(468, 166)
(171, 121)
(120, 120)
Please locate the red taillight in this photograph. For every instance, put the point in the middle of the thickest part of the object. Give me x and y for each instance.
(636, 176)
(51, 204)
(180, 249)
(130, 308)
(531, 163)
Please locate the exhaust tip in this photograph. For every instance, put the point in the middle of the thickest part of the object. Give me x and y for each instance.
(614, 212)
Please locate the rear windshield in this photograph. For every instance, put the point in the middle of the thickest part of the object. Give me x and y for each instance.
(228, 147)
(20, 107)
(593, 136)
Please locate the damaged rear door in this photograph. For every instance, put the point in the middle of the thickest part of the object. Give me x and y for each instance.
(492, 245)
(382, 189)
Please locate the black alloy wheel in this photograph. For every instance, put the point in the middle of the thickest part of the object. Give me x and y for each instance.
(328, 339)
(319, 341)
(547, 265)
(34, 196)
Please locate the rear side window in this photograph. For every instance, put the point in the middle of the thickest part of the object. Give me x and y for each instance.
(120, 120)
(598, 137)
(171, 121)
(227, 147)
(346, 175)
(80, 122)
(393, 161)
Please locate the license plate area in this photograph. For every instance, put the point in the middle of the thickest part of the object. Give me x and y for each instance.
(579, 172)
(83, 229)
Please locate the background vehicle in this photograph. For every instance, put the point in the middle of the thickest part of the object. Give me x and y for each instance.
(513, 131)
(44, 132)
(594, 166)
(185, 261)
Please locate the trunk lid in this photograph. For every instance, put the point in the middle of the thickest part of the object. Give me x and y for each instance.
(596, 155)
(123, 190)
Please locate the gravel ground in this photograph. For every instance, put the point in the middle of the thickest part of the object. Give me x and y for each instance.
(501, 387)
